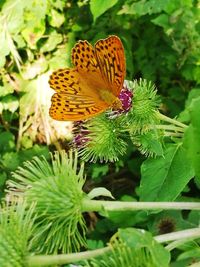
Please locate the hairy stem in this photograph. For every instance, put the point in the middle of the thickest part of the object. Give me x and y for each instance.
(46, 260)
(172, 121)
(100, 205)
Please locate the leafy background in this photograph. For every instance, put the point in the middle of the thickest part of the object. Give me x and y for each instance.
(162, 44)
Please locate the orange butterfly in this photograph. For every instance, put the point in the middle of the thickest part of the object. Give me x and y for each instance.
(93, 85)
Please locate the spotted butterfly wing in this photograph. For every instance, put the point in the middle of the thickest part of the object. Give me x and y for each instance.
(111, 60)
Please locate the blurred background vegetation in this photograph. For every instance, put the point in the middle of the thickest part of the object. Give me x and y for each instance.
(162, 44)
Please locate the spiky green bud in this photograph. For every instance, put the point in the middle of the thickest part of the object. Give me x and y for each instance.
(105, 139)
(145, 103)
(57, 191)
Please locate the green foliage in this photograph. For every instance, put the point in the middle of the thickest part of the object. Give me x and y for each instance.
(171, 173)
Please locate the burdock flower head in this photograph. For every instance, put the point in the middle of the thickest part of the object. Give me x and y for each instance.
(126, 98)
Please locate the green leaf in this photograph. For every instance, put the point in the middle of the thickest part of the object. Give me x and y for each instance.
(191, 137)
(10, 103)
(138, 239)
(164, 178)
(3, 177)
(162, 20)
(53, 40)
(99, 191)
(193, 94)
(7, 141)
(34, 28)
(144, 7)
(99, 170)
(99, 7)
(6, 90)
(10, 160)
(56, 19)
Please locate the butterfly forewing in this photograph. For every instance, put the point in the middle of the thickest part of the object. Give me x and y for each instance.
(83, 57)
(111, 59)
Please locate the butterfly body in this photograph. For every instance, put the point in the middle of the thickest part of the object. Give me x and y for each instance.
(93, 85)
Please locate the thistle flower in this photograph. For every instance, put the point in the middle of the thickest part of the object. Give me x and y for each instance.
(80, 134)
(57, 192)
(126, 97)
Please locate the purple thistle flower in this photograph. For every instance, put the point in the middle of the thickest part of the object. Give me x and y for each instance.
(80, 133)
(126, 98)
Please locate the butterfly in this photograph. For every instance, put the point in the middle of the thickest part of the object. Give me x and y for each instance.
(94, 83)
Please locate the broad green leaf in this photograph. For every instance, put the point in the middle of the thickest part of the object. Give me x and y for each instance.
(99, 7)
(164, 178)
(192, 136)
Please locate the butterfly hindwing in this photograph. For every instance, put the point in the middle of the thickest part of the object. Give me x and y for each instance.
(73, 108)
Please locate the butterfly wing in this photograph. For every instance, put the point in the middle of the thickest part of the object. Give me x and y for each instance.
(75, 98)
(84, 58)
(111, 60)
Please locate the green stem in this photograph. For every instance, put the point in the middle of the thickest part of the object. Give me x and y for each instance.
(100, 205)
(170, 127)
(173, 121)
(46, 260)
(180, 235)
(171, 134)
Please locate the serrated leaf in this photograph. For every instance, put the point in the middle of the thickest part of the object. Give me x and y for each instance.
(99, 7)
(164, 178)
(98, 192)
